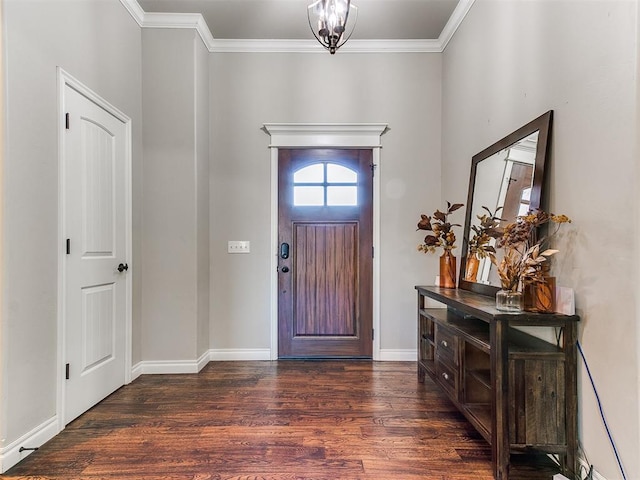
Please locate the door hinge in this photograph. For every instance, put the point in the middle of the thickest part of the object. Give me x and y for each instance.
(66, 121)
(66, 371)
(373, 252)
(373, 169)
(373, 334)
(68, 246)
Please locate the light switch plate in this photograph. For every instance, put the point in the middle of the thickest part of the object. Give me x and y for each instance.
(238, 246)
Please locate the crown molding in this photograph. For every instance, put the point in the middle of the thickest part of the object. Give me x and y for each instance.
(312, 46)
(456, 18)
(180, 20)
(392, 46)
(134, 8)
(197, 22)
(265, 46)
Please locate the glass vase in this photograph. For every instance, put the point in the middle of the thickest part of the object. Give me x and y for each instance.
(447, 270)
(509, 301)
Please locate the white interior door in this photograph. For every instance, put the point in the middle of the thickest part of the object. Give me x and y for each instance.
(95, 228)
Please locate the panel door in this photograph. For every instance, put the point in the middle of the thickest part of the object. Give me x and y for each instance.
(95, 225)
(326, 253)
(516, 201)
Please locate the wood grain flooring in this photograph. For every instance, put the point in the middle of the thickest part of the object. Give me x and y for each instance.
(281, 420)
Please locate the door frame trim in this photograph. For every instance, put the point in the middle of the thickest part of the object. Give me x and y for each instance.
(324, 135)
(67, 80)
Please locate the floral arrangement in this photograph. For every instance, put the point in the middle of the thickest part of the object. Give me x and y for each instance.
(524, 258)
(483, 233)
(439, 224)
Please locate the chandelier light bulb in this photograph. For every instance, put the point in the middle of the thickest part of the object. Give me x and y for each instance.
(332, 22)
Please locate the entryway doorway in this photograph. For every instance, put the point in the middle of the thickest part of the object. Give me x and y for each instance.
(332, 136)
(325, 231)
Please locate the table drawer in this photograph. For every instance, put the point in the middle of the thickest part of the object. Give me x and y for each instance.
(447, 377)
(446, 344)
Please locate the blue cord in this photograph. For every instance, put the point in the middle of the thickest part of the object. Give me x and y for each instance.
(615, 450)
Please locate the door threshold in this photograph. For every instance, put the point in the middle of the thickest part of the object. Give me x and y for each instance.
(324, 358)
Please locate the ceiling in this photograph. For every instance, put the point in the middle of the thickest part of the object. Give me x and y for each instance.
(287, 19)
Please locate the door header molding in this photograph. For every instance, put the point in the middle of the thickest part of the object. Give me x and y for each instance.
(345, 135)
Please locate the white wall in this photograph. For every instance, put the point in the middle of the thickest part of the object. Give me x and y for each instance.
(510, 62)
(249, 90)
(3, 387)
(636, 263)
(175, 196)
(99, 44)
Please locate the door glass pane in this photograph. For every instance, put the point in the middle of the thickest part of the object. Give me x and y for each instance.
(308, 196)
(525, 198)
(340, 174)
(342, 196)
(311, 174)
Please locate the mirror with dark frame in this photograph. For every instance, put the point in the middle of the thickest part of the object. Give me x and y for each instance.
(506, 181)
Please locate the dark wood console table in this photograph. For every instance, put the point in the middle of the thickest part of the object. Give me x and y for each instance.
(517, 390)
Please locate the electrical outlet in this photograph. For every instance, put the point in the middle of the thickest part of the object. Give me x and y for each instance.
(238, 246)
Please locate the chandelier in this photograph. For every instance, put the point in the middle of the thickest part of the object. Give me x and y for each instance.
(328, 22)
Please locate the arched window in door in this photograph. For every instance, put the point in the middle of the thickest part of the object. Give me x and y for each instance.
(325, 184)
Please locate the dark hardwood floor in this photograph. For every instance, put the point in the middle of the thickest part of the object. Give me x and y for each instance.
(281, 420)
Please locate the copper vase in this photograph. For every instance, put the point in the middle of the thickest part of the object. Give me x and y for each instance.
(471, 268)
(541, 296)
(447, 270)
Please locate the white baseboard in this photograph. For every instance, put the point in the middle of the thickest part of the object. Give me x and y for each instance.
(151, 367)
(203, 360)
(11, 454)
(136, 371)
(239, 354)
(156, 367)
(248, 354)
(397, 355)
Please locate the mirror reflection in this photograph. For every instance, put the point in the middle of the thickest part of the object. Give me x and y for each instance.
(506, 181)
(503, 185)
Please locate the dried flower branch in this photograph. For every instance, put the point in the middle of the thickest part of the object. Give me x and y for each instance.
(439, 224)
(482, 234)
(524, 260)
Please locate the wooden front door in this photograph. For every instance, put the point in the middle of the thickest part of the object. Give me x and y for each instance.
(516, 201)
(325, 266)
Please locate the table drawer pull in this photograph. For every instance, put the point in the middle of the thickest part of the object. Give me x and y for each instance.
(445, 376)
(444, 343)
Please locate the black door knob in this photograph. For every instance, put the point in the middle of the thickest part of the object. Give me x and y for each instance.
(122, 267)
(285, 269)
